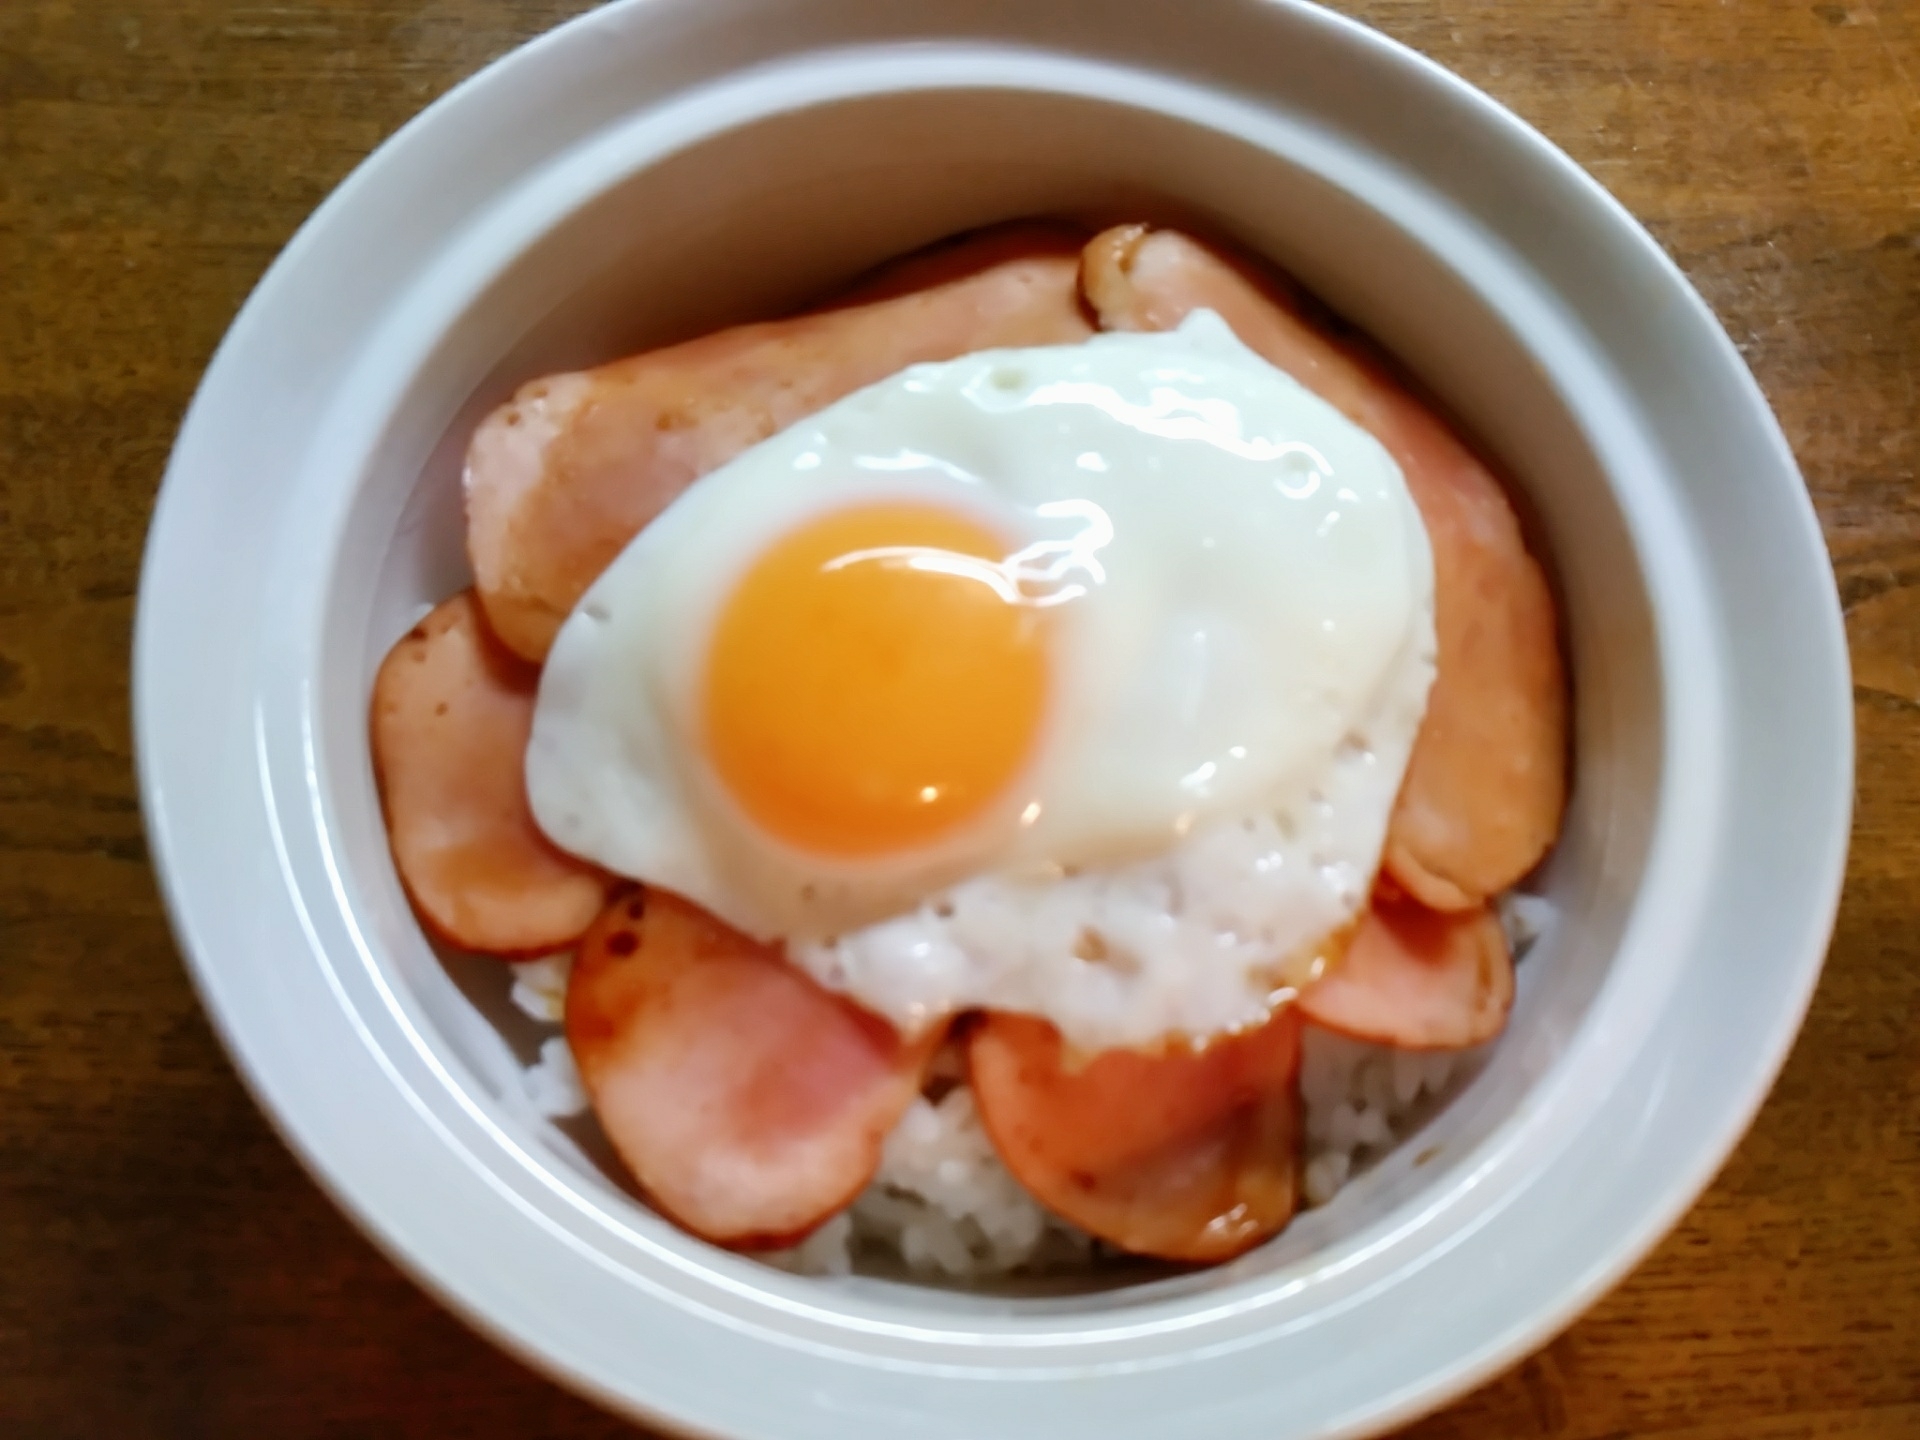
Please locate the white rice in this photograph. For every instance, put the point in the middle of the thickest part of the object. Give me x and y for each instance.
(1525, 918)
(1361, 1100)
(552, 1083)
(942, 1205)
(554, 1087)
(540, 987)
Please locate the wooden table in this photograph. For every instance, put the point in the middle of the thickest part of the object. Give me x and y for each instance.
(167, 1270)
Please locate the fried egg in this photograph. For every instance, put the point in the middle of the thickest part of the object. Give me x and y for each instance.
(1076, 681)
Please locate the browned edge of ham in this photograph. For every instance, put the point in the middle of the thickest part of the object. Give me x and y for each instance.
(1184, 1155)
(1418, 979)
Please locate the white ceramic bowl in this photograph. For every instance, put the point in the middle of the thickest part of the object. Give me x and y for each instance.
(662, 166)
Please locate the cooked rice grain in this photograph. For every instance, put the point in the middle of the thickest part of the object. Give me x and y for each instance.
(540, 987)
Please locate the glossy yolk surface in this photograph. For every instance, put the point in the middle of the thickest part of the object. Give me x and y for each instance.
(874, 680)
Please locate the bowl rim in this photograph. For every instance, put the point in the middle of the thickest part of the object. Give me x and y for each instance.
(342, 1166)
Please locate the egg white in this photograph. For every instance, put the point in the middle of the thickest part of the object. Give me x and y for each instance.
(1243, 650)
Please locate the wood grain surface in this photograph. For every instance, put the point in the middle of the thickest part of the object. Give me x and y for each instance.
(165, 1267)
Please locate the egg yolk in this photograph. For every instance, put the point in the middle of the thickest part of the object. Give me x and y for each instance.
(874, 680)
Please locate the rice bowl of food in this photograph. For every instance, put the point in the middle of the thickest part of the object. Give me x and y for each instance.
(1014, 731)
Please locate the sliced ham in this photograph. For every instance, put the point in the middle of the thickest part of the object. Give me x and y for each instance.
(452, 709)
(564, 475)
(1419, 979)
(1487, 783)
(1181, 1155)
(749, 1103)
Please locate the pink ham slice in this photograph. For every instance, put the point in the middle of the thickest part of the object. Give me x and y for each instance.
(1418, 979)
(1181, 1155)
(749, 1103)
(1487, 784)
(564, 475)
(452, 709)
